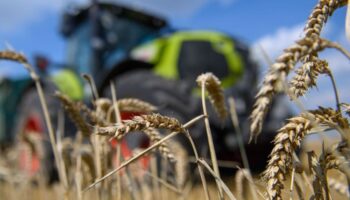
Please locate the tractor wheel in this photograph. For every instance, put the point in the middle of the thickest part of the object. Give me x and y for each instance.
(35, 155)
(170, 97)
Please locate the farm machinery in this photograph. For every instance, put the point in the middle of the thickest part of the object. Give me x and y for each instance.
(147, 59)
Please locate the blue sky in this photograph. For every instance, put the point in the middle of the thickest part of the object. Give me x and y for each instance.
(31, 26)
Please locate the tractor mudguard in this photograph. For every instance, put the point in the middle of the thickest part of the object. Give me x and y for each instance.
(68, 83)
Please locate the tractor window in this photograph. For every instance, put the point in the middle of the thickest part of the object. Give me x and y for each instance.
(79, 49)
(117, 36)
(121, 34)
(198, 57)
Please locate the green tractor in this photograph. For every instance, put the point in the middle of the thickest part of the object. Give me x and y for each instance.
(148, 60)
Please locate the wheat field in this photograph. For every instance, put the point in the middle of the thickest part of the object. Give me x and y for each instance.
(89, 167)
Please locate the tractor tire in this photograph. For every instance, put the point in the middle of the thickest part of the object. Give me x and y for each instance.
(172, 99)
(35, 154)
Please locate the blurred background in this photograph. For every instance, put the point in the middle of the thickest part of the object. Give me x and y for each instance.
(32, 27)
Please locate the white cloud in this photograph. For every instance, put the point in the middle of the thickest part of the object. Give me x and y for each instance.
(17, 13)
(273, 44)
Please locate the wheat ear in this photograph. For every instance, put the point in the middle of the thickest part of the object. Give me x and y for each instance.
(280, 69)
(288, 139)
(212, 84)
(215, 92)
(276, 76)
(141, 123)
(73, 110)
(319, 16)
(124, 164)
(163, 148)
(306, 76)
(135, 105)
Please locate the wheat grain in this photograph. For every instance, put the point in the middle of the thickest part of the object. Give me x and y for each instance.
(74, 113)
(277, 75)
(319, 16)
(92, 116)
(333, 158)
(140, 123)
(306, 76)
(216, 95)
(280, 69)
(13, 56)
(163, 148)
(288, 139)
(135, 105)
(281, 155)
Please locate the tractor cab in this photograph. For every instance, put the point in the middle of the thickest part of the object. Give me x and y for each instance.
(100, 36)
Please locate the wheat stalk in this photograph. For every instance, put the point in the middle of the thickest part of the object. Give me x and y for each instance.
(211, 83)
(317, 172)
(17, 57)
(241, 184)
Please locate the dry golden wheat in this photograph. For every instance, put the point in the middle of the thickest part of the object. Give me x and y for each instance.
(319, 16)
(216, 94)
(306, 76)
(135, 105)
(333, 158)
(288, 139)
(140, 123)
(311, 44)
(163, 148)
(74, 113)
(13, 56)
(91, 115)
(242, 184)
(277, 75)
